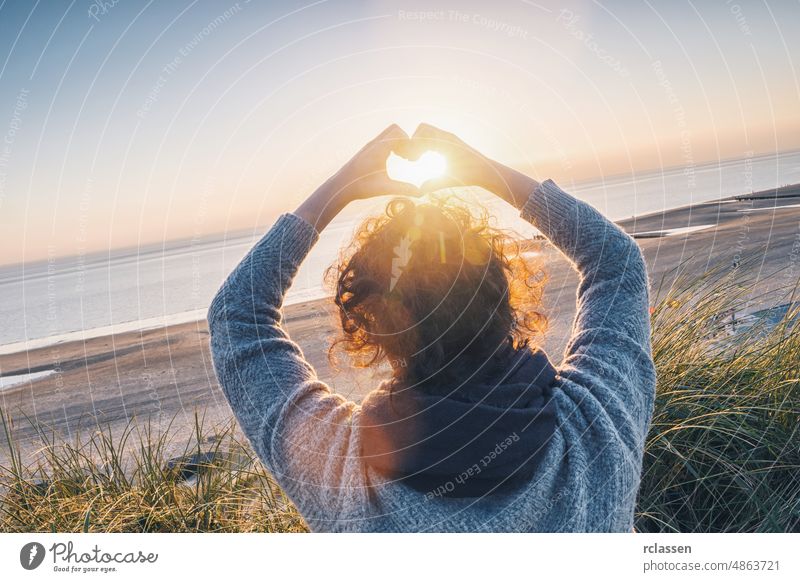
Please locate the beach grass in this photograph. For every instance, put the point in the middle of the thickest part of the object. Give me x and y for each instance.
(722, 455)
(723, 452)
(135, 483)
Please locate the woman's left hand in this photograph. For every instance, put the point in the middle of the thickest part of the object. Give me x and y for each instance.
(364, 176)
(466, 166)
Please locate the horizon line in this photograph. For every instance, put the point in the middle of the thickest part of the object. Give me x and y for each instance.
(240, 232)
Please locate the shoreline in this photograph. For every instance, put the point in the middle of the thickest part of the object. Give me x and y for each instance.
(632, 225)
(165, 374)
(252, 231)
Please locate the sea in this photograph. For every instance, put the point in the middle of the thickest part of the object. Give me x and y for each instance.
(71, 298)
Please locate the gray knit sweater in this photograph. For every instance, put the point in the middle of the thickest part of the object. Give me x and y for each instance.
(309, 438)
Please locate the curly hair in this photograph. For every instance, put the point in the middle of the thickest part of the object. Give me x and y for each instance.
(435, 290)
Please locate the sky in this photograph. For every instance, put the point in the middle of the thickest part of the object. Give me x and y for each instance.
(127, 123)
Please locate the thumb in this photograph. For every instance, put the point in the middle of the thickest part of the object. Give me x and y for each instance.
(388, 186)
(404, 189)
(435, 184)
(392, 137)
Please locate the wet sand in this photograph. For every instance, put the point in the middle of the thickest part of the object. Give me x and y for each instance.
(166, 374)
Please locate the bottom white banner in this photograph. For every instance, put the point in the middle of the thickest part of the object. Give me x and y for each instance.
(399, 556)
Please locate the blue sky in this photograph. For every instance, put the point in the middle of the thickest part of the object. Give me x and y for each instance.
(132, 122)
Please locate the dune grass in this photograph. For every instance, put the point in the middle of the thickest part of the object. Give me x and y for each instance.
(98, 484)
(723, 454)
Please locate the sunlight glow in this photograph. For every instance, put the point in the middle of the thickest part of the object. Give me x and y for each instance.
(429, 165)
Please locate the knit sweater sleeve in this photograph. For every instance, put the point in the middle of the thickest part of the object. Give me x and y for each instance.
(300, 430)
(608, 357)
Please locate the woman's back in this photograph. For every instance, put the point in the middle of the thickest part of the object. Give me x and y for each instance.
(531, 449)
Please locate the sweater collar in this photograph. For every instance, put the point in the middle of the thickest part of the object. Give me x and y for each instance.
(486, 435)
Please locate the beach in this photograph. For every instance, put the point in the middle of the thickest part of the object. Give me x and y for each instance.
(165, 374)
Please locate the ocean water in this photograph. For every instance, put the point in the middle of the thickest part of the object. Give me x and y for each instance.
(93, 295)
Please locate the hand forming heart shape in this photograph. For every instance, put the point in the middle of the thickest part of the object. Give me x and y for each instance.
(428, 166)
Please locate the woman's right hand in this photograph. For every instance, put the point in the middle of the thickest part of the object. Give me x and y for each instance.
(468, 167)
(364, 176)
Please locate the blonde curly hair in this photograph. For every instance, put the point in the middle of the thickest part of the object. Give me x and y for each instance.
(432, 287)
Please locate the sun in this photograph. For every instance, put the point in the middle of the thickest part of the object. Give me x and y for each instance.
(428, 166)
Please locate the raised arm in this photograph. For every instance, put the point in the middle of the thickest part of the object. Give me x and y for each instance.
(608, 356)
(301, 431)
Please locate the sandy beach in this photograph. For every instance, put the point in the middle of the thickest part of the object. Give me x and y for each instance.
(166, 374)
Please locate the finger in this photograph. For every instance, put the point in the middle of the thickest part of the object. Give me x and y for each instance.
(408, 149)
(400, 188)
(428, 137)
(425, 138)
(393, 130)
(414, 147)
(428, 131)
(435, 184)
(391, 133)
(391, 139)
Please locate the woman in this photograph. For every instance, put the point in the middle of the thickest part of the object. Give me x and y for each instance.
(476, 431)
